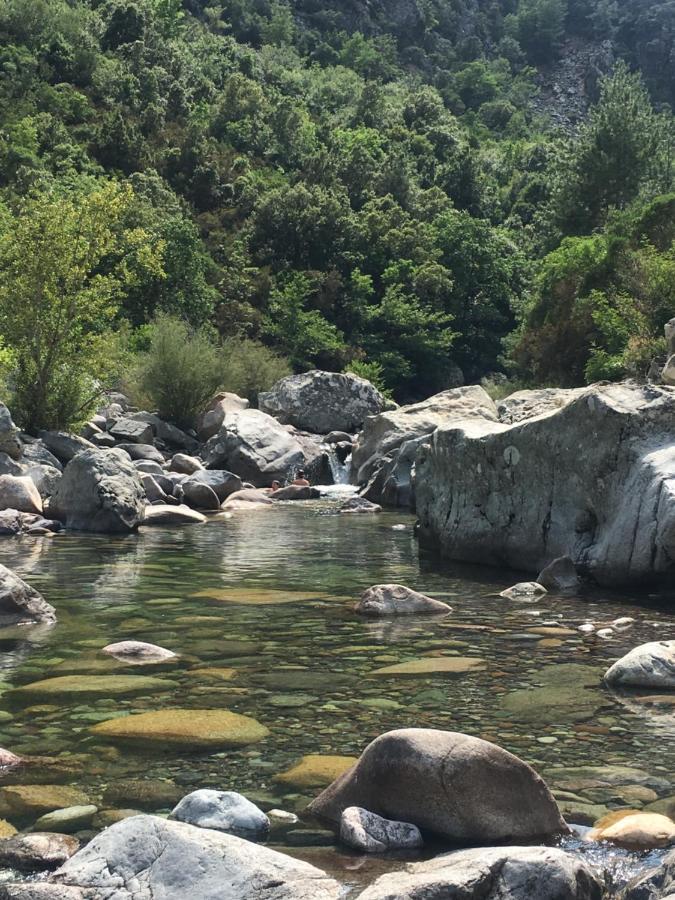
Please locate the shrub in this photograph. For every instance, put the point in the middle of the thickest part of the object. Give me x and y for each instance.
(180, 371)
(250, 367)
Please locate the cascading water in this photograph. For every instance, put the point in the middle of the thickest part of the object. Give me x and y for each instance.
(339, 470)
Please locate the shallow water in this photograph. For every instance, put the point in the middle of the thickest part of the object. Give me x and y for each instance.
(269, 593)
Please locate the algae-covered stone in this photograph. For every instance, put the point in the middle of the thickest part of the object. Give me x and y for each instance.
(315, 770)
(82, 685)
(209, 728)
(23, 800)
(433, 665)
(562, 693)
(213, 673)
(67, 820)
(143, 793)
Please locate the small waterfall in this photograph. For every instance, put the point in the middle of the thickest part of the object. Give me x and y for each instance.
(339, 470)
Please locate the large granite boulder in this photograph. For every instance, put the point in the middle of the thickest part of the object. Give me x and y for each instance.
(461, 788)
(19, 492)
(221, 482)
(64, 445)
(384, 454)
(257, 448)
(593, 480)
(322, 401)
(20, 603)
(647, 666)
(145, 858)
(165, 432)
(100, 491)
(10, 442)
(492, 873)
(212, 420)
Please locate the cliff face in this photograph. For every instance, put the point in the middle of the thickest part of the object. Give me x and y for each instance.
(594, 480)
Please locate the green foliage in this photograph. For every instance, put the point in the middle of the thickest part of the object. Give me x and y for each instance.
(250, 367)
(538, 26)
(65, 262)
(179, 373)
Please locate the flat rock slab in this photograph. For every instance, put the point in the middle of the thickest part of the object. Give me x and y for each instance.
(210, 728)
(453, 665)
(145, 858)
(561, 693)
(164, 514)
(82, 685)
(259, 596)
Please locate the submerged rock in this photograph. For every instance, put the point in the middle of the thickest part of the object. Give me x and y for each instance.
(315, 771)
(370, 833)
(397, 600)
(647, 666)
(322, 401)
(524, 590)
(145, 857)
(184, 728)
(22, 801)
(138, 653)
(459, 787)
(100, 491)
(20, 603)
(295, 492)
(92, 685)
(492, 873)
(38, 850)
(223, 811)
(360, 505)
(515, 494)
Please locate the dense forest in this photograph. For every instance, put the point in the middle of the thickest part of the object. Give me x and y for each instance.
(424, 192)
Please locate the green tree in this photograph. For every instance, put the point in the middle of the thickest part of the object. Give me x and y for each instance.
(65, 262)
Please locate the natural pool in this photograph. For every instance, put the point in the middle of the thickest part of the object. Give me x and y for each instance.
(269, 593)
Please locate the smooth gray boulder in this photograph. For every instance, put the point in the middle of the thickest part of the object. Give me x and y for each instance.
(36, 453)
(223, 811)
(132, 431)
(593, 480)
(100, 491)
(647, 666)
(459, 787)
(398, 600)
(167, 433)
(322, 401)
(384, 434)
(45, 478)
(370, 833)
(142, 452)
(222, 482)
(146, 858)
(153, 491)
(19, 492)
(247, 498)
(148, 466)
(559, 575)
(255, 447)
(657, 883)
(186, 465)
(164, 514)
(20, 603)
(198, 495)
(64, 445)
(492, 873)
(10, 441)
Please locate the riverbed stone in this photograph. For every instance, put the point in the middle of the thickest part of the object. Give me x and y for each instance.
(359, 505)
(431, 665)
(20, 604)
(398, 600)
(19, 492)
(100, 491)
(207, 728)
(20, 801)
(296, 492)
(164, 514)
(322, 401)
(37, 850)
(370, 833)
(524, 590)
(650, 665)
(223, 811)
(248, 498)
(143, 793)
(90, 685)
(492, 873)
(561, 693)
(138, 653)
(497, 494)
(66, 821)
(315, 770)
(459, 787)
(146, 857)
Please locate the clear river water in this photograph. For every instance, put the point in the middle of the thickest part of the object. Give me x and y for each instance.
(270, 594)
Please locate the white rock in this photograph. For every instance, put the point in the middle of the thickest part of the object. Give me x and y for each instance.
(369, 832)
(649, 665)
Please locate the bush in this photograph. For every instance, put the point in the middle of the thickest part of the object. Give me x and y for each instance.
(179, 373)
(249, 367)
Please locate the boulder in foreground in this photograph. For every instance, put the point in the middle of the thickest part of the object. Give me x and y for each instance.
(492, 873)
(647, 666)
(398, 600)
(145, 857)
(322, 401)
(593, 480)
(20, 603)
(100, 491)
(459, 787)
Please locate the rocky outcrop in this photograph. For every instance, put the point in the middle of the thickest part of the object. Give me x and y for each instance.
(522, 405)
(10, 442)
(320, 402)
(492, 873)
(459, 787)
(647, 666)
(398, 600)
(222, 811)
(383, 458)
(145, 857)
(100, 491)
(594, 480)
(20, 603)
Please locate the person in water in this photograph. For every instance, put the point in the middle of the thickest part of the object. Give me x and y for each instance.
(275, 486)
(300, 480)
